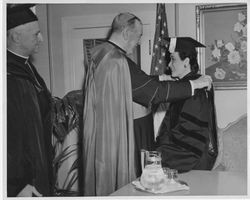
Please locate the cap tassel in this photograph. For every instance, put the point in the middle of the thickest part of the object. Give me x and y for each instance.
(172, 45)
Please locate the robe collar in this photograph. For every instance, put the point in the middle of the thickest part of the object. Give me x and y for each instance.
(190, 76)
(115, 45)
(19, 66)
(18, 57)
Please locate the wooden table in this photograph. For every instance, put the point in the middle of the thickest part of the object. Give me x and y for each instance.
(201, 183)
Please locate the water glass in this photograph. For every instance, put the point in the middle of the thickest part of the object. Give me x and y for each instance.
(153, 157)
(171, 174)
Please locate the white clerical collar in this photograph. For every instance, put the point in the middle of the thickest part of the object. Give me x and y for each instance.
(18, 54)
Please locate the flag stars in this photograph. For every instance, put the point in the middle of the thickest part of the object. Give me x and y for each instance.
(159, 53)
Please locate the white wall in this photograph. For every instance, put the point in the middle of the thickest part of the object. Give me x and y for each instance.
(41, 59)
(230, 104)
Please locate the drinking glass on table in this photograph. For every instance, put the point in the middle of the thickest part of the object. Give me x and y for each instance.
(143, 158)
(171, 174)
(152, 175)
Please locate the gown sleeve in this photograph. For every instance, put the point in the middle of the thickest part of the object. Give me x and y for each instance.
(148, 90)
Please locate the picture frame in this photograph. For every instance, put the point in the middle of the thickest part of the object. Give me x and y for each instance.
(223, 29)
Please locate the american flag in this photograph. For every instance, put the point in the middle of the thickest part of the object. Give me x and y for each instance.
(158, 63)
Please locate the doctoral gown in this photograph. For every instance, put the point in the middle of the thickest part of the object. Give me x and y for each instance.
(112, 83)
(143, 86)
(188, 134)
(28, 128)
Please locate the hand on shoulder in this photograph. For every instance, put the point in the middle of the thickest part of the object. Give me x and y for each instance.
(202, 82)
(165, 77)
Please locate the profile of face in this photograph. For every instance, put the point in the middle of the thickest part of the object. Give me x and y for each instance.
(30, 38)
(179, 67)
(134, 37)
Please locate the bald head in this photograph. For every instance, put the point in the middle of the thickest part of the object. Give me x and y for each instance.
(126, 31)
(124, 20)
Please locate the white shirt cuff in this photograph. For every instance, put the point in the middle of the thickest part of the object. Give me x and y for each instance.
(161, 78)
(192, 87)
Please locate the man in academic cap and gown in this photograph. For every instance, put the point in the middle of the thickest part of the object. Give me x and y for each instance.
(112, 83)
(29, 167)
(188, 134)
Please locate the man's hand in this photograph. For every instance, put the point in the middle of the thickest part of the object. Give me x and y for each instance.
(28, 191)
(203, 81)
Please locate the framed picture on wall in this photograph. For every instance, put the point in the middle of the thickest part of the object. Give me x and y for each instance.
(223, 29)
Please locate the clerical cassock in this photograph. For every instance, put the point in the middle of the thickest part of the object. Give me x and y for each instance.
(29, 150)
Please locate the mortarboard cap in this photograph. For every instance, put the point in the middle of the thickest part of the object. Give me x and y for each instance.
(18, 14)
(185, 44)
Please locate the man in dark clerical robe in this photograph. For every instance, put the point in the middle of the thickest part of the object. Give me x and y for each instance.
(188, 136)
(112, 83)
(29, 167)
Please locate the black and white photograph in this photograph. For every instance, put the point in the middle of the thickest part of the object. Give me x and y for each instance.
(124, 99)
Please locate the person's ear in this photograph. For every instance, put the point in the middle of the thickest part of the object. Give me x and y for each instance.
(16, 36)
(125, 34)
(186, 62)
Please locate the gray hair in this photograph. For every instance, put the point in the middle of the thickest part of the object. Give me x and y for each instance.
(122, 21)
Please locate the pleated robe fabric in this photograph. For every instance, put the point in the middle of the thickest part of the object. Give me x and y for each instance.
(108, 138)
(188, 133)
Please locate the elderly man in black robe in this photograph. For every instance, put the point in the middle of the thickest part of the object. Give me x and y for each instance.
(29, 168)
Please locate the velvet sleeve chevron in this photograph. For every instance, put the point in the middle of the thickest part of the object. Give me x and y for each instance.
(185, 145)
